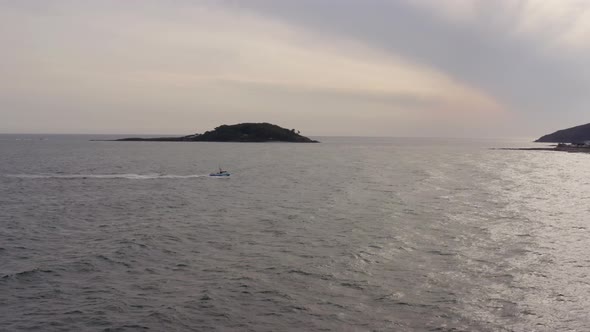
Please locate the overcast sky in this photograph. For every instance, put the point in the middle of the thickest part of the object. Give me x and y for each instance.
(326, 67)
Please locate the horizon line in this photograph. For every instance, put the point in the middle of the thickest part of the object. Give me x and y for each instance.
(328, 136)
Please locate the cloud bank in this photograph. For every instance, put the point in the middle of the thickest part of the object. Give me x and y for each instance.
(329, 67)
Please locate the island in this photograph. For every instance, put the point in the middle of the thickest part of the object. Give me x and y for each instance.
(242, 132)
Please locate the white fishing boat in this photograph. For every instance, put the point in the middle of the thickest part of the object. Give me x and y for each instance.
(220, 173)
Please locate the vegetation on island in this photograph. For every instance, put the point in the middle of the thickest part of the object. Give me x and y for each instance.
(578, 134)
(242, 132)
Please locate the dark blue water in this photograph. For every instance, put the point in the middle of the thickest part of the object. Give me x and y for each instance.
(349, 235)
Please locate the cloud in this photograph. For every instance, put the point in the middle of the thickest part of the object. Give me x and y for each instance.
(402, 66)
(528, 55)
(564, 23)
(115, 62)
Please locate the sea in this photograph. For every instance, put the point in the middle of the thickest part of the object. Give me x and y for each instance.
(351, 234)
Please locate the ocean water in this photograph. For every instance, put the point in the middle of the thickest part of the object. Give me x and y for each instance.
(353, 234)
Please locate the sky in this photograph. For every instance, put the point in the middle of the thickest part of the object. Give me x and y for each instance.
(418, 68)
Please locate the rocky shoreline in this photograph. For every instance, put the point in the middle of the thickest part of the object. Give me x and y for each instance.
(561, 147)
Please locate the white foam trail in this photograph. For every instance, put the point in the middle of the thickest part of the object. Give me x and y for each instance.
(105, 176)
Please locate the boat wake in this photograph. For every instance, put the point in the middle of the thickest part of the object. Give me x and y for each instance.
(106, 176)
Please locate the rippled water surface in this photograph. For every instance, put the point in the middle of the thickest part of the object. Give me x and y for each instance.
(347, 235)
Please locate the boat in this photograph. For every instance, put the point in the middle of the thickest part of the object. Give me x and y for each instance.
(220, 173)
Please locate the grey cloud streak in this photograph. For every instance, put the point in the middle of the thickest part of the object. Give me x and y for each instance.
(487, 53)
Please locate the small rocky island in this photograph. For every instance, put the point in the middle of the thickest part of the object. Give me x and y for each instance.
(242, 132)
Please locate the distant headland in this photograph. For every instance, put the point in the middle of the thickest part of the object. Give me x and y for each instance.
(574, 135)
(242, 132)
(575, 139)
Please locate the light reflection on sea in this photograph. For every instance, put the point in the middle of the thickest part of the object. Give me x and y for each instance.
(354, 234)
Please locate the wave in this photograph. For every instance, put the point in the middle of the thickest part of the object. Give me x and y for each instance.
(25, 273)
(106, 176)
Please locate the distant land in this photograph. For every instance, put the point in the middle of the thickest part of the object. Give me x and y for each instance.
(242, 132)
(575, 139)
(578, 134)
